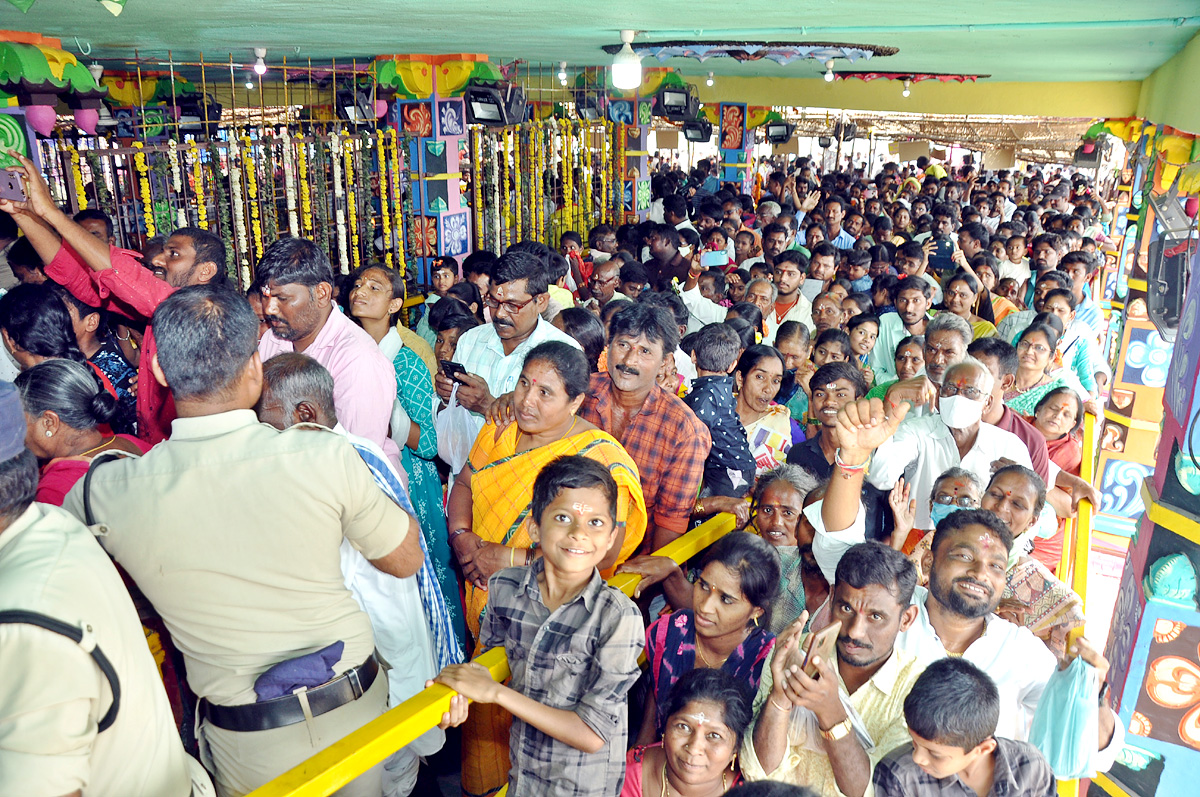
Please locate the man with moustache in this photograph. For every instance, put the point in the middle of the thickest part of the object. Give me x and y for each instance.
(665, 438)
(871, 597)
(912, 301)
(295, 279)
(790, 304)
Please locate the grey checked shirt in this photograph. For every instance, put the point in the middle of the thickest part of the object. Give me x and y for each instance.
(582, 657)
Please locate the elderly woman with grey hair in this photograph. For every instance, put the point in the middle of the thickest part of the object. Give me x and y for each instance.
(779, 498)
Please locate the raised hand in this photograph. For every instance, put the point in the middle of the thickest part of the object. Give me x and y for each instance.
(904, 512)
(38, 201)
(863, 426)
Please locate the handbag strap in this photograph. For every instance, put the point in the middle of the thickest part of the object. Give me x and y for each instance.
(108, 456)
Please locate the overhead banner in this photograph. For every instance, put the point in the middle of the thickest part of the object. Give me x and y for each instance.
(667, 139)
(999, 159)
(911, 150)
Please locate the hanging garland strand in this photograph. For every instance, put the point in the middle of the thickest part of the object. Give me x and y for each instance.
(385, 212)
(398, 207)
(252, 198)
(476, 188)
(239, 214)
(177, 183)
(408, 220)
(351, 200)
(143, 170)
(306, 209)
(289, 181)
(77, 176)
(197, 170)
(494, 140)
(270, 210)
(226, 227)
(339, 201)
(321, 191)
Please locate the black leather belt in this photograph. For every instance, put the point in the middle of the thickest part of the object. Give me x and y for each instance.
(286, 710)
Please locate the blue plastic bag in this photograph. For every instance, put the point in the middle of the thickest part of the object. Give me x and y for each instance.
(1066, 724)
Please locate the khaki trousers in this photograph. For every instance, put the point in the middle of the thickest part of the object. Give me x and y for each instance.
(243, 761)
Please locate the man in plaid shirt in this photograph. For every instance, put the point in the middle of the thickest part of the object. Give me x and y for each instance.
(665, 438)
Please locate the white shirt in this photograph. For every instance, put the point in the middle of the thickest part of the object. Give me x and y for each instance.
(1017, 661)
(828, 546)
(481, 352)
(701, 311)
(923, 449)
(800, 311)
(685, 368)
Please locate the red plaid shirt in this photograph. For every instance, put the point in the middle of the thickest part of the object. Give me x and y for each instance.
(668, 443)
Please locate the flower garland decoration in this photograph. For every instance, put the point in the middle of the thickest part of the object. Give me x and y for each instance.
(397, 205)
(239, 214)
(339, 196)
(385, 216)
(365, 197)
(536, 179)
(476, 186)
(220, 173)
(267, 206)
(351, 199)
(505, 187)
(494, 139)
(252, 197)
(197, 169)
(410, 241)
(77, 176)
(177, 182)
(321, 191)
(306, 212)
(143, 170)
(518, 184)
(289, 182)
(622, 143)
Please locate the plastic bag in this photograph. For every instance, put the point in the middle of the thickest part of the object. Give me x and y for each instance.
(1066, 724)
(456, 430)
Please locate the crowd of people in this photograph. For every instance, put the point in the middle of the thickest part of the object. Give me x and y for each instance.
(881, 378)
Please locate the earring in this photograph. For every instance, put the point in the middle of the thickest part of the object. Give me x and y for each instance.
(49, 433)
(756, 622)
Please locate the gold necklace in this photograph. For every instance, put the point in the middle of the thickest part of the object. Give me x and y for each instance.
(574, 420)
(703, 658)
(665, 788)
(97, 448)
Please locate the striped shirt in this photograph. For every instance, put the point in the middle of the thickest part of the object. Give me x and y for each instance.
(1019, 770)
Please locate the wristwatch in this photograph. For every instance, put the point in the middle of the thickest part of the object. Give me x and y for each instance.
(839, 731)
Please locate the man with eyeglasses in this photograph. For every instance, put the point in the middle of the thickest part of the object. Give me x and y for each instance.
(603, 284)
(955, 436)
(493, 354)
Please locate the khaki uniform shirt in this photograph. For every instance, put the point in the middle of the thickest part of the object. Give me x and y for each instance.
(232, 529)
(53, 694)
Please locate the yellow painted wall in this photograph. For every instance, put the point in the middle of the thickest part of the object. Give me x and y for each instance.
(1170, 95)
(1084, 100)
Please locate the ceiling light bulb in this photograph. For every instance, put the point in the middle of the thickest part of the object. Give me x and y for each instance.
(260, 66)
(96, 71)
(829, 71)
(906, 91)
(562, 70)
(709, 82)
(249, 85)
(626, 65)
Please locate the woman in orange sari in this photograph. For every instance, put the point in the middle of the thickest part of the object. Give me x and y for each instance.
(488, 510)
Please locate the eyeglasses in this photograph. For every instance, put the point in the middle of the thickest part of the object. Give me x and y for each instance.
(1036, 348)
(962, 501)
(971, 392)
(512, 308)
(596, 279)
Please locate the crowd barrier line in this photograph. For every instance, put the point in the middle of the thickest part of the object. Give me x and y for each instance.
(346, 759)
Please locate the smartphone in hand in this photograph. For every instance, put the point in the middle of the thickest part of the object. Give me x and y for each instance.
(453, 370)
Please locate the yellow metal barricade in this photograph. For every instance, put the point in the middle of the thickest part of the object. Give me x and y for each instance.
(345, 760)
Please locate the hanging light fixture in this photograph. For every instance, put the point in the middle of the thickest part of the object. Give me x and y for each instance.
(709, 82)
(829, 71)
(249, 85)
(906, 92)
(260, 66)
(626, 65)
(562, 72)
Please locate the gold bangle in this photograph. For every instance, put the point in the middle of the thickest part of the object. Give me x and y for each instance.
(776, 705)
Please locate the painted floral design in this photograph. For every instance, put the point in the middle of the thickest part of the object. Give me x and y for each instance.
(417, 119)
(1174, 682)
(454, 234)
(451, 119)
(733, 126)
(424, 235)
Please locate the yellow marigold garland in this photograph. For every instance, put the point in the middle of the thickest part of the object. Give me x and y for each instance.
(193, 155)
(306, 211)
(351, 199)
(77, 176)
(252, 198)
(385, 217)
(397, 202)
(143, 170)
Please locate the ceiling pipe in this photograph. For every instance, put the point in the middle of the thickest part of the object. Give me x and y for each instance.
(787, 33)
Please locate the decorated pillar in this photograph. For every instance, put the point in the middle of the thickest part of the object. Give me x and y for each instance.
(1150, 484)
(735, 141)
(429, 116)
(632, 111)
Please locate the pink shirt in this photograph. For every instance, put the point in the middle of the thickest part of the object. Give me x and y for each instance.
(364, 382)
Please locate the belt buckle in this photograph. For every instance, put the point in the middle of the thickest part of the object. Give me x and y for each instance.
(355, 683)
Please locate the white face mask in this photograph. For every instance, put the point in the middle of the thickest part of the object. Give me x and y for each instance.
(960, 412)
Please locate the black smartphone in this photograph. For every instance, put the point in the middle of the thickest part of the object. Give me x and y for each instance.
(452, 370)
(941, 258)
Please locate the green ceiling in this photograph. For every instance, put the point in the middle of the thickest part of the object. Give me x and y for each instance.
(1012, 40)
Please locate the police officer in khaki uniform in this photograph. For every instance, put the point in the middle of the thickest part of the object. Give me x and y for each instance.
(232, 530)
(58, 731)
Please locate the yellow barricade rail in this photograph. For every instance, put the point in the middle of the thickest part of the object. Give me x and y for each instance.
(1076, 556)
(345, 760)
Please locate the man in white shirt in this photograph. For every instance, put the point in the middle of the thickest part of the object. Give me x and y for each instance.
(494, 354)
(956, 617)
(954, 437)
(790, 303)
